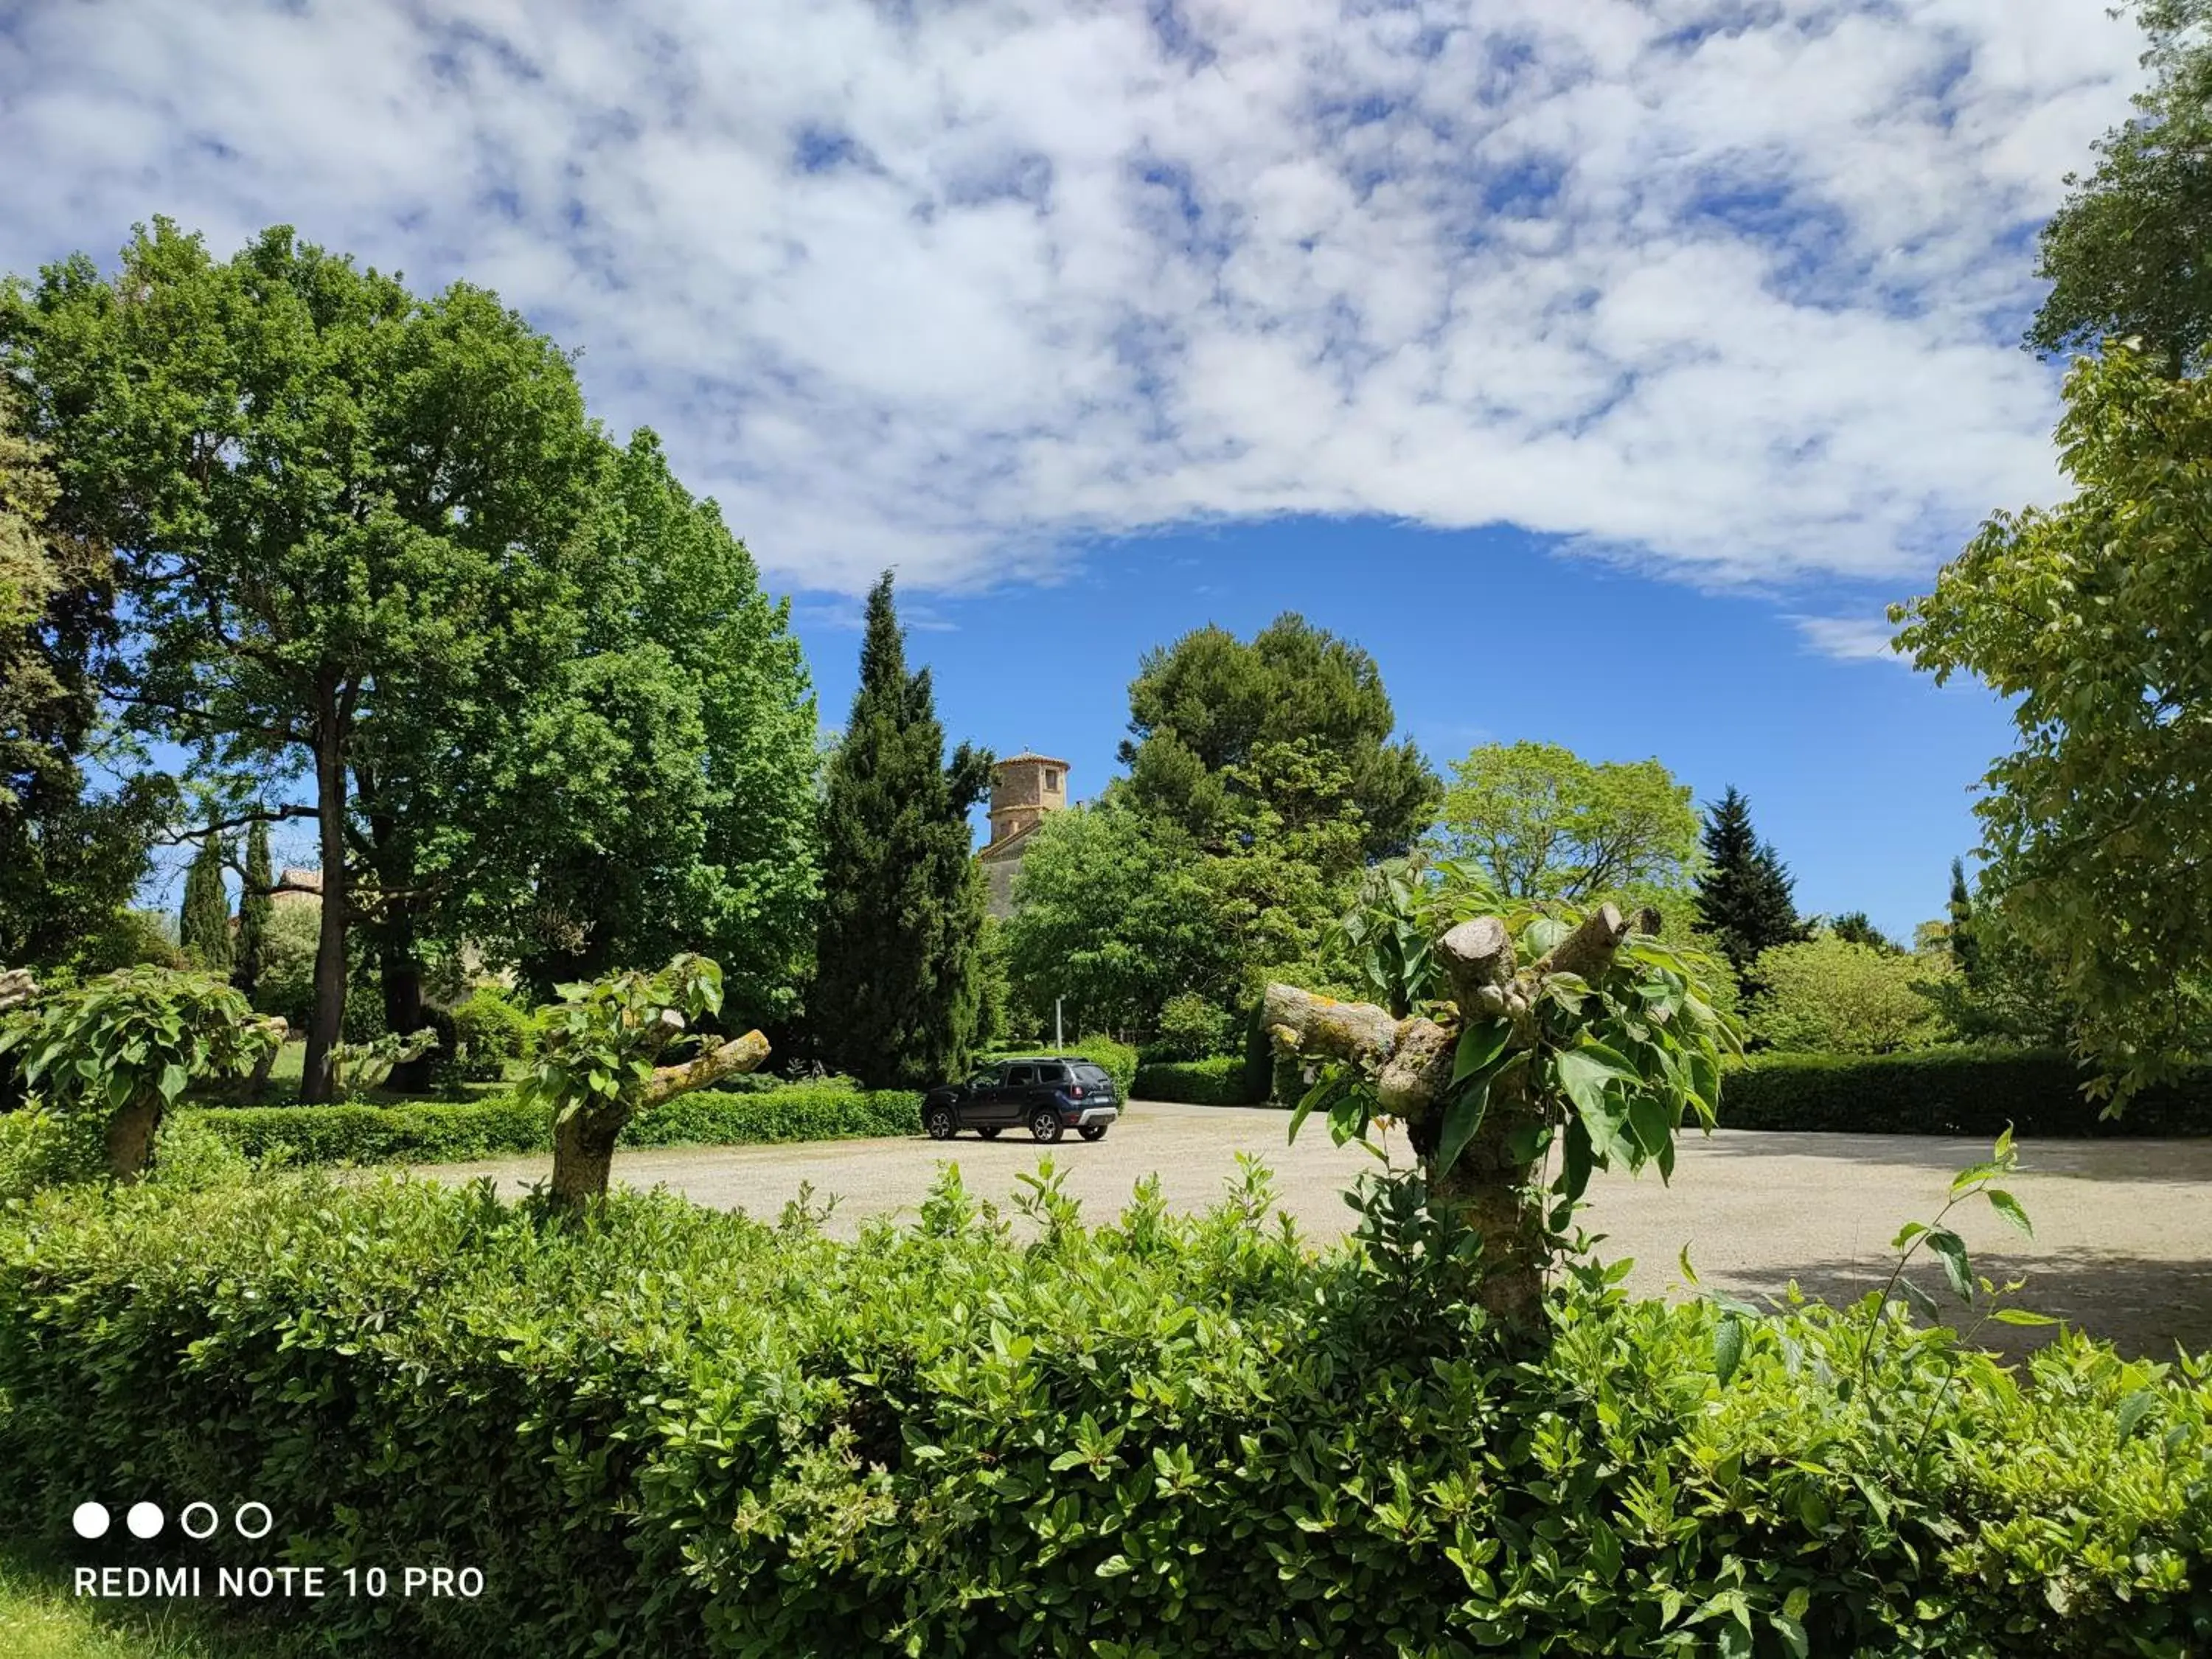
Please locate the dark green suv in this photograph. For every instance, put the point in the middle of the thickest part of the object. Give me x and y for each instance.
(1046, 1094)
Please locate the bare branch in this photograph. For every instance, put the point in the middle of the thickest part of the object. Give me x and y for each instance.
(743, 1054)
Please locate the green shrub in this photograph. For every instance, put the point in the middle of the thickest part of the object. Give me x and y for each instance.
(442, 1133)
(490, 1033)
(1192, 1028)
(1224, 1080)
(672, 1431)
(1829, 995)
(1948, 1092)
(286, 985)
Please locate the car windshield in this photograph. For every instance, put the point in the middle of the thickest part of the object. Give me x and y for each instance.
(1094, 1075)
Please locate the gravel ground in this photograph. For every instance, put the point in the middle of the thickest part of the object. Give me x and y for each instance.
(2122, 1243)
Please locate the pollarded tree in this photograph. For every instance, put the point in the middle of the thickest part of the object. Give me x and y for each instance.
(122, 1049)
(599, 1050)
(897, 989)
(337, 503)
(1588, 1037)
(203, 920)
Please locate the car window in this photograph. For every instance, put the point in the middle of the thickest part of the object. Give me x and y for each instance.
(1094, 1075)
(1018, 1075)
(1052, 1074)
(984, 1079)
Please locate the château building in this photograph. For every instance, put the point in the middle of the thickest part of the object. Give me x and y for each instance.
(1024, 788)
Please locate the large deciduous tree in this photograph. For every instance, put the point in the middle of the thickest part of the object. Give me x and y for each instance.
(1548, 825)
(1209, 702)
(897, 990)
(2125, 253)
(1743, 892)
(332, 498)
(2093, 618)
(68, 858)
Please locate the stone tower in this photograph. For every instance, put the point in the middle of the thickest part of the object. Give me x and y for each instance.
(1024, 788)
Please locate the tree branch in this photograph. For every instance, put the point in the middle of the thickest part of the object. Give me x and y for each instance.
(743, 1054)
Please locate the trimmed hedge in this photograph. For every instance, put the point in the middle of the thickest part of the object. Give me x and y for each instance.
(1224, 1080)
(671, 1431)
(439, 1133)
(1947, 1091)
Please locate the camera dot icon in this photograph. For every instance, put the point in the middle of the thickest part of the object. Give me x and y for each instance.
(90, 1520)
(144, 1520)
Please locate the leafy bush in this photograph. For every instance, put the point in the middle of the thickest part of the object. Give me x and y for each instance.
(130, 939)
(1224, 1080)
(286, 985)
(437, 1133)
(491, 1032)
(1192, 1028)
(673, 1432)
(1948, 1092)
(1829, 995)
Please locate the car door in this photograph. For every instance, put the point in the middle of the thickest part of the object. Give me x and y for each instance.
(979, 1096)
(1010, 1102)
(1051, 1081)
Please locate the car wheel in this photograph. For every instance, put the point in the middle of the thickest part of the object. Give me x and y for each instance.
(1044, 1124)
(1092, 1132)
(989, 1134)
(940, 1123)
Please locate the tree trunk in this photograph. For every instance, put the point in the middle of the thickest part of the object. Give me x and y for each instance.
(131, 1134)
(402, 973)
(584, 1141)
(1497, 1196)
(327, 1022)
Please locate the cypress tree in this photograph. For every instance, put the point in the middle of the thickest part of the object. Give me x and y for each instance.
(203, 923)
(254, 905)
(1744, 895)
(898, 986)
(1965, 947)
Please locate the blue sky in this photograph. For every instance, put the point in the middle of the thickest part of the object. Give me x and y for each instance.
(1454, 324)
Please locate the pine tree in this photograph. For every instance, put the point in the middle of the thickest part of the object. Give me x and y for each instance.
(203, 923)
(898, 983)
(1965, 947)
(254, 906)
(1744, 896)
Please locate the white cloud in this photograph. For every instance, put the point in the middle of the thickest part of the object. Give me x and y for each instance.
(1850, 638)
(1727, 288)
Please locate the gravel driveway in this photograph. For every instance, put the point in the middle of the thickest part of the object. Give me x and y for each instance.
(2123, 1242)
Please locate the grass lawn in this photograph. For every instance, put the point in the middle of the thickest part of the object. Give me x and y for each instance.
(40, 1619)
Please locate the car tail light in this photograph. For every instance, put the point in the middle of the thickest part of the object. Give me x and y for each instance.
(1077, 1091)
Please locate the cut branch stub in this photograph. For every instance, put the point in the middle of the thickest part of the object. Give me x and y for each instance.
(16, 988)
(1419, 1073)
(1478, 959)
(743, 1054)
(1322, 1026)
(1587, 951)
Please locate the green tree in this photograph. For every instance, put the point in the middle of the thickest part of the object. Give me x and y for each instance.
(335, 501)
(1209, 702)
(1548, 825)
(2125, 254)
(669, 770)
(255, 906)
(2091, 619)
(896, 993)
(203, 921)
(1112, 911)
(1960, 937)
(1743, 893)
(68, 858)
(1835, 995)
(1857, 928)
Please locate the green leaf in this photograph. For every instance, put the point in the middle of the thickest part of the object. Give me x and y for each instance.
(172, 1083)
(1462, 1117)
(1728, 1347)
(1689, 1274)
(2023, 1317)
(1323, 1086)
(1575, 1160)
(1953, 1250)
(1907, 1233)
(2135, 1407)
(1480, 1046)
(1647, 1121)
(1792, 1634)
(2009, 1206)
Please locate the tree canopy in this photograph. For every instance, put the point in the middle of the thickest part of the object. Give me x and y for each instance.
(2093, 618)
(1744, 897)
(1210, 701)
(1549, 825)
(2125, 253)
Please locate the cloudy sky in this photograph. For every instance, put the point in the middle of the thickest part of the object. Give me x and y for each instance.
(1715, 298)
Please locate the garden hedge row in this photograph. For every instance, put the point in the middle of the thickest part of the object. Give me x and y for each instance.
(1947, 1092)
(435, 1133)
(1224, 1080)
(671, 1431)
